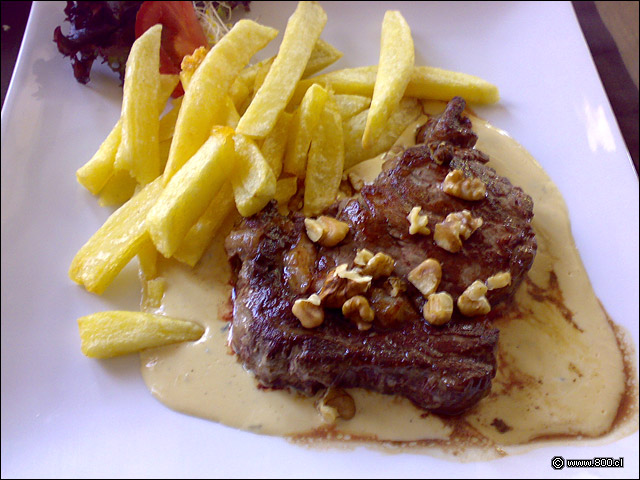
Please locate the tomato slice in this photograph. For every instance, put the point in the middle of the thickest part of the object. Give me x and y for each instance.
(181, 31)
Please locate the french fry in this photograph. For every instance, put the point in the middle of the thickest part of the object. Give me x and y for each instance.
(200, 235)
(275, 143)
(304, 123)
(205, 97)
(153, 292)
(95, 174)
(432, 83)
(168, 121)
(285, 189)
(139, 151)
(322, 55)
(300, 36)
(428, 83)
(114, 333)
(120, 188)
(190, 64)
(261, 73)
(325, 163)
(148, 260)
(394, 71)
(232, 116)
(350, 105)
(190, 191)
(120, 238)
(253, 181)
(408, 110)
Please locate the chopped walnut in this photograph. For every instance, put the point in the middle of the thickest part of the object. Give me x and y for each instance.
(438, 309)
(397, 286)
(309, 311)
(362, 257)
(342, 284)
(499, 280)
(426, 276)
(456, 227)
(473, 302)
(358, 310)
(418, 223)
(380, 265)
(356, 181)
(336, 403)
(326, 231)
(467, 188)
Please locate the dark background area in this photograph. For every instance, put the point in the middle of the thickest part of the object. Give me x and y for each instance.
(615, 76)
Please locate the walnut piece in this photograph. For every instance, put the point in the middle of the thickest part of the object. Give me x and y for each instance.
(326, 231)
(398, 286)
(426, 276)
(309, 311)
(473, 302)
(356, 181)
(456, 227)
(336, 403)
(380, 265)
(438, 309)
(467, 188)
(358, 310)
(499, 280)
(362, 257)
(418, 223)
(342, 284)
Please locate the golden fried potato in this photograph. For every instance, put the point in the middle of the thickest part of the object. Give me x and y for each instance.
(153, 292)
(190, 191)
(168, 121)
(200, 235)
(95, 174)
(148, 260)
(326, 162)
(275, 143)
(350, 105)
(253, 181)
(300, 36)
(394, 71)
(120, 188)
(120, 238)
(322, 55)
(428, 83)
(138, 151)
(408, 110)
(432, 83)
(286, 188)
(305, 121)
(114, 333)
(245, 84)
(205, 97)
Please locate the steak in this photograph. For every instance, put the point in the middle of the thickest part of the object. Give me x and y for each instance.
(445, 369)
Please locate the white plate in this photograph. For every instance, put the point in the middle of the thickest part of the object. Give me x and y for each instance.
(66, 415)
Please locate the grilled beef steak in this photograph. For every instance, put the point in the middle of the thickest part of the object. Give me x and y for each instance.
(445, 369)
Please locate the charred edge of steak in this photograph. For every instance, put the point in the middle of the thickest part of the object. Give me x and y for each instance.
(444, 369)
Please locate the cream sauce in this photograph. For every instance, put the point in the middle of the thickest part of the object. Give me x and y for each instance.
(561, 370)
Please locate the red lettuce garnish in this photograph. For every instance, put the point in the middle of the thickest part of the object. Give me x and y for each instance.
(104, 30)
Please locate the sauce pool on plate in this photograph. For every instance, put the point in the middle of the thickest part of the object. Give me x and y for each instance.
(562, 372)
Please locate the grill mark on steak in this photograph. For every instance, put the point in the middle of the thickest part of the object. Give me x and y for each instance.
(444, 369)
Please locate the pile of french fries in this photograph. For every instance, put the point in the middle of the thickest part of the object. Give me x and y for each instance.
(241, 136)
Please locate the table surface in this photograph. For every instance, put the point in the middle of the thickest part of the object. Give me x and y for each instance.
(610, 29)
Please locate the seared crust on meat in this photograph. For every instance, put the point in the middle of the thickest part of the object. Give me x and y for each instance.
(445, 369)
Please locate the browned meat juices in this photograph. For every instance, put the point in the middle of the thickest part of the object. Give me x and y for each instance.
(437, 201)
